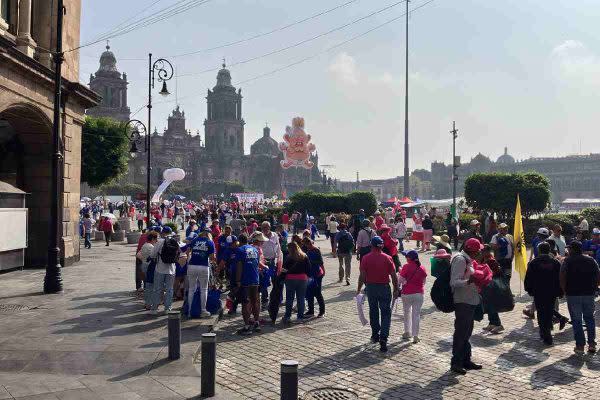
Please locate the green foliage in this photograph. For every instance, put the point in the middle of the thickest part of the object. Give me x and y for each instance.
(318, 203)
(127, 189)
(226, 188)
(592, 215)
(497, 192)
(319, 188)
(104, 151)
(464, 220)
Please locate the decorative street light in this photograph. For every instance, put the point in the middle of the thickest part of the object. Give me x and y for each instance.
(137, 137)
(163, 71)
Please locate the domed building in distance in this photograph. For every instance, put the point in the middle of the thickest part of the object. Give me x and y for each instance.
(221, 158)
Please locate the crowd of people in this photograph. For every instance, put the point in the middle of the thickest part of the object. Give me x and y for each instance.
(264, 265)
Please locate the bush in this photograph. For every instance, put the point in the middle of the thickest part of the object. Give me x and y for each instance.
(464, 220)
(172, 225)
(593, 216)
(319, 203)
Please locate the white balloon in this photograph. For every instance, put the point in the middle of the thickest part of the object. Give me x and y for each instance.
(173, 174)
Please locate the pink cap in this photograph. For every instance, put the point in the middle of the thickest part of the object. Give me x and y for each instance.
(473, 245)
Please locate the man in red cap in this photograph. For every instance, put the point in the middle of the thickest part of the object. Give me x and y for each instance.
(466, 300)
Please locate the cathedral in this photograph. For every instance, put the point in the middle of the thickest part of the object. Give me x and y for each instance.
(217, 162)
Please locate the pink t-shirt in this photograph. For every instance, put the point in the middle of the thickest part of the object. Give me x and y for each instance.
(413, 277)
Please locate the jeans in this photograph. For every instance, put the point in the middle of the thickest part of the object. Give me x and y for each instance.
(380, 300)
(265, 281)
(412, 303)
(198, 276)
(545, 310)
(87, 237)
(162, 282)
(463, 328)
(148, 293)
(582, 306)
(315, 291)
(347, 260)
(294, 288)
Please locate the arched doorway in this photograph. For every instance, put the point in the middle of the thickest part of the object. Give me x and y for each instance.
(26, 148)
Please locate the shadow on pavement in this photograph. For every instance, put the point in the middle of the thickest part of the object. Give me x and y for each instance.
(433, 391)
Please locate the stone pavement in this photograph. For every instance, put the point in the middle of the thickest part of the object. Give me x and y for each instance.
(94, 341)
(335, 352)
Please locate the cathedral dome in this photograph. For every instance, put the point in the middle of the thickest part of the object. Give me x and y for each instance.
(505, 158)
(224, 77)
(266, 145)
(480, 162)
(108, 61)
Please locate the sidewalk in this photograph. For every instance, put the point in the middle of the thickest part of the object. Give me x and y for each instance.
(94, 341)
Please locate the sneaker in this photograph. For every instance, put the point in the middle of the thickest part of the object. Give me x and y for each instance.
(579, 350)
(458, 370)
(309, 313)
(497, 329)
(406, 336)
(347, 282)
(375, 339)
(592, 348)
(256, 327)
(529, 313)
(245, 331)
(470, 365)
(383, 347)
(321, 314)
(416, 339)
(168, 310)
(489, 327)
(205, 314)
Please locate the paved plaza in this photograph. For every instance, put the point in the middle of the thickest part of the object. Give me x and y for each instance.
(95, 342)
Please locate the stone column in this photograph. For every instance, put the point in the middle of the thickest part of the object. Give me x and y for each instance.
(3, 23)
(42, 19)
(25, 42)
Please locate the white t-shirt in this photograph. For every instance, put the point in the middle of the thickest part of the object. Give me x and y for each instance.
(560, 243)
(146, 252)
(584, 226)
(333, 227)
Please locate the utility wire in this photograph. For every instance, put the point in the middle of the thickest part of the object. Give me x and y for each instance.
(338, 28)
(158, 16)
(120, 25)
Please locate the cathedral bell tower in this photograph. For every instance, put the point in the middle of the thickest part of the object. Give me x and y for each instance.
(224, 125)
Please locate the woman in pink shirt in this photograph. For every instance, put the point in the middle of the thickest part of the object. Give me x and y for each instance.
(412, 277)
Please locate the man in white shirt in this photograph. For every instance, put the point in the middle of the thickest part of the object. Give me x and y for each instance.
(272, 253)
(583, 227)
(559, 239)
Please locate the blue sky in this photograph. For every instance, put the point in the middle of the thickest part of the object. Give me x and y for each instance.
(523, 74)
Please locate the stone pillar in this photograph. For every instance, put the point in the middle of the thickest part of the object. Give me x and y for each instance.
(25, 42)
(3, 24)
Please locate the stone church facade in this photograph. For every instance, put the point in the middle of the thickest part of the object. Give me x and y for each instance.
(220, 158)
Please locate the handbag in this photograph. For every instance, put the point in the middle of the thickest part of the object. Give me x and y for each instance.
(408, 280)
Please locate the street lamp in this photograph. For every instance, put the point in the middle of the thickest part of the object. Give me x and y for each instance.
(163, 70)
(455, 165)
(137, 136)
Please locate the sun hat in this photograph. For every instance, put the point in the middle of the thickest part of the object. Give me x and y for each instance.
(411, 254)
(258, 237)
(502, 226)
(474, 222)
(445, 239)
(543, 231)
(441, 253)
(473, 245)
(377, 241)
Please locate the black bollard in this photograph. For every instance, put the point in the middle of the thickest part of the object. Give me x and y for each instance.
(208, 370)
(174, 328)
(289, 380)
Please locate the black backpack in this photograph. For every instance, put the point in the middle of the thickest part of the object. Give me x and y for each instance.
(345, 244)
(441, 292)
(170, 251)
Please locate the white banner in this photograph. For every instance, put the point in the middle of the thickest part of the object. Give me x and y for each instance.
(249, 197)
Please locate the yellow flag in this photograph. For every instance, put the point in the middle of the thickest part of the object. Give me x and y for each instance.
(519, 237)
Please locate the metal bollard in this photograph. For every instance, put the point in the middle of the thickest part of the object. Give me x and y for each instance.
(174, 328)
(289, 380)
(208, 370)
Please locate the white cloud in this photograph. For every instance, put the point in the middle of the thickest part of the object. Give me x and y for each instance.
(574, 62)
(344, 68)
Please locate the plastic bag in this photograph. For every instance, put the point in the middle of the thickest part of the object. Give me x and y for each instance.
(360, 301)
(498, 295)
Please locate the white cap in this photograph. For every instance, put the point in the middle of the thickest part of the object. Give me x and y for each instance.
(543, 231)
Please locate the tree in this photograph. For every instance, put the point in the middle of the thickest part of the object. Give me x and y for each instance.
(497, 192)
(318, 203)
(104, 151)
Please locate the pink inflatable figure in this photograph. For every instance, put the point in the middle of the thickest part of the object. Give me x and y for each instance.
(296, 147)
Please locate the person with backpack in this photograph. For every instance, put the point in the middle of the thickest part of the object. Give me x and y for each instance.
(412, 278)
(345, 246)
(166, 252)
(376, 271)
(542, 282)
(466, 299)
(201, 252)
(363, 240)
(502, 244)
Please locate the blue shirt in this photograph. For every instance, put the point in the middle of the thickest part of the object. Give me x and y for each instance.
(534, 244)
(202, 248)
(248, 256)
(222, 246)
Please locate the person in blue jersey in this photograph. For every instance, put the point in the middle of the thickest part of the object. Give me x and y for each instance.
(228, 264)
(317, 271)
(201, 251)
(247, 282)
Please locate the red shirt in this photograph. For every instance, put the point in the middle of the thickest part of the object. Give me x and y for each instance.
(377, 267)
(285, 219)
(143, 239)
(379, 221)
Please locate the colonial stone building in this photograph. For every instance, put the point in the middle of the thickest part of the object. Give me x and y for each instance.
(27, 29)
(109, 83)
(570, 176)
(221, 158)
